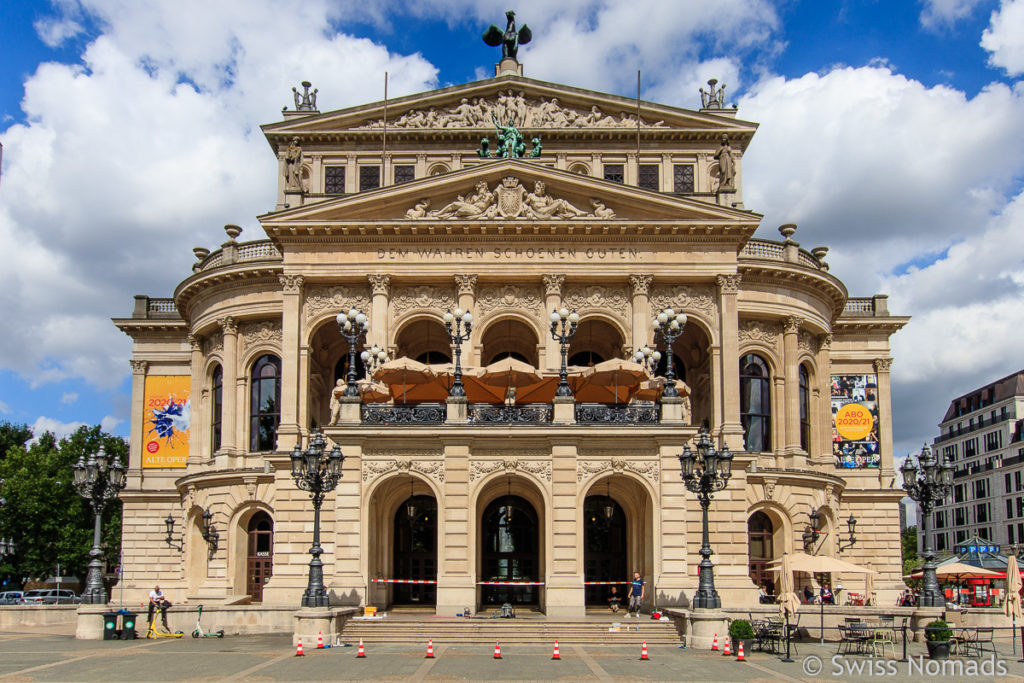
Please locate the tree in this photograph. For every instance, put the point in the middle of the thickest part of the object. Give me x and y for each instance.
(908, 540)
(13, 435)
(49, 522)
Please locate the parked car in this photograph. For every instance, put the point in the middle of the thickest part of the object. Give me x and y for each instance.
(50, 596)
(11, 597)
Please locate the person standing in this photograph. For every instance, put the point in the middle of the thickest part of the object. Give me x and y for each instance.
(158, 601)
(636, 594)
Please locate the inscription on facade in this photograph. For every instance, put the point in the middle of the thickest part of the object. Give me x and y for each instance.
(510, 253)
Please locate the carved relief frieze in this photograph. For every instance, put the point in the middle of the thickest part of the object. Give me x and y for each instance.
(335, 298)
(509, 297)
(375, 468)
(684, 298)
(213, 343)
(759, 330)
(614, 299)
(526, 112)
(509, 199)
(479, 468)
(586, 469)
(769, 489)
(426, 296)
(808, 342)
(262, 332)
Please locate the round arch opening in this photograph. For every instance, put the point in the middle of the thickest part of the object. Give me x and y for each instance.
(509, 338)
(595, 341)
(424, 340)
(402, 533)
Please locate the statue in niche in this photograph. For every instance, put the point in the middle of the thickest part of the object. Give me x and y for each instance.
(726, 167)
(510, 39)
(293, 166)
(335, 404)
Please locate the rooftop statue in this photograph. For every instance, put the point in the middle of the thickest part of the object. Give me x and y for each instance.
(306, 101)
(712, 99)
(511, 143)
(510, 39)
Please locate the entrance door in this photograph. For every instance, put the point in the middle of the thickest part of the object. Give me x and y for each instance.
(511, 538)
(415, 551)
(260, 562)
(604, 548)
(759, 539)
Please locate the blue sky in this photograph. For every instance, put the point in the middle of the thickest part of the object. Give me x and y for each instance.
(889, 132)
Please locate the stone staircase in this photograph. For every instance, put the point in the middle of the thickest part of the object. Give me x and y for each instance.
(532, 629)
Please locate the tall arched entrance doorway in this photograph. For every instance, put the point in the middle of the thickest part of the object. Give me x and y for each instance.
(760, 549)
(414, 551)
(510, 551)
(260, 556)
(605, 550)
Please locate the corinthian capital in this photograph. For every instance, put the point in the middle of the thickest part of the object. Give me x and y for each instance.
(883, 364)
(728, 284)
(641, 284)
(553, 284)
(139, 367)
(466, 284)
(792, 324)
(379, 283)
(291, 284)
(228, 324)
(194, 342)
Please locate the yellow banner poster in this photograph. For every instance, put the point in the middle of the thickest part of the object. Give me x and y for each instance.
(167, 417)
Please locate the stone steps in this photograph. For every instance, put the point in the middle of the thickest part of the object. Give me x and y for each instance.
(525, 631)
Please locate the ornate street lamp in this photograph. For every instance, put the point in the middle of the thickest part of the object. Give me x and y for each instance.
(353, 325)
(169, 523)
(209, 532)
(648, 358)
(98, 480)
(459, 324)
(318, 474)
(563, 327)
(669, 325)
(373, 358)
(851, 525)
(704, 473)
(813, 530)
(928, 483)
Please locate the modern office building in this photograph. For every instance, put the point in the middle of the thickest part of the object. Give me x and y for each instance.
(608, 207)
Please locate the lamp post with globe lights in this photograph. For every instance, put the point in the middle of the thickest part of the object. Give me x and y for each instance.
(373, 358)
(928, 482)
(669, 325)
(353, 325)
(98, 479)
(648, 358)
(317, 473)
(563, 326)
(459, 324)
(704, 473)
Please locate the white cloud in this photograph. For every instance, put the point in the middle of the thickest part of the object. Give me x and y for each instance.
(945, 13)
(109, 423)
(68, 398)
(4, 408)
(56, 427)
(145, 149)
(1004, 38)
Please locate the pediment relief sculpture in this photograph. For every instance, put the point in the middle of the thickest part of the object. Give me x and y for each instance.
(509, 199)
(527, 112)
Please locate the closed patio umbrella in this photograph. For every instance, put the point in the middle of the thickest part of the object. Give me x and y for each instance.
(1012, 603)
(789, 602)
(869, 588)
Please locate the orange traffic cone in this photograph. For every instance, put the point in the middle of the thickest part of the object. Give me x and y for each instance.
(430, 649)
(643, 652)
(497, 650)
(726, 651)
(319, 640)
(739, 654)
(361, 652)
(714, 643)
(555, 655)
(298, 650)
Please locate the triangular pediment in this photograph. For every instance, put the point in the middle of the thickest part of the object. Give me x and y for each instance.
(519, 191)
(548, 108)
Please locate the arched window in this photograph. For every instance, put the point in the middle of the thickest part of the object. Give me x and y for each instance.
(216, 417)
(265, 403)
(755, 404)
(805, 409)
(759, 548)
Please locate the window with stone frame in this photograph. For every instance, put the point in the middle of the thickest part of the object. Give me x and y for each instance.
(265, 403)
(615, 173)
(334, 179)
(217, 396)
(682, 179)
(755, 404)
(404, 173)
(369, 178)
(805, 408)
(648, 177)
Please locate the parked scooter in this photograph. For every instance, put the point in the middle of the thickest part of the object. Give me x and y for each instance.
(200, 633)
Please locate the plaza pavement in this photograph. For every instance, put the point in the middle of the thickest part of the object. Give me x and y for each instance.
(49, 657)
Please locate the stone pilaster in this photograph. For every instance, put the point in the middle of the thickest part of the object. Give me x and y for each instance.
(552, 302)
(641, 309)
(197, 442)
(288, 432)
(791, 373)
(823, 442)
(882, 370)
(564, 589)
(728, 390)
(455, 582)
(380, 293)
(139, 370)
(465, 286)
(233, 415)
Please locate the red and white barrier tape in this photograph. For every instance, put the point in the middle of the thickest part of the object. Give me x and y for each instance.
(606, 583)
(510, 583)
(402, 581)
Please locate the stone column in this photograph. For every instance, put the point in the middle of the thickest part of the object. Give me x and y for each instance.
(882, 368)
(466, 287)
(200, 418)
(642, 317)
(233, 414)
(288, 432)
(135, 440)
(552, 302)
(563, 594)
(791, 374)
(728, 292)
(380, 288)
(456, 552)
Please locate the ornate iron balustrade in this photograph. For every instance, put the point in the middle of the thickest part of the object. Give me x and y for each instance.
(424, 413)
(533, 413)
(599, 413)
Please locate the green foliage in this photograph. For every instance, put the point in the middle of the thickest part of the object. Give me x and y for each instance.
(12, 435)
(908, 541)
(45, 516)
(740, 629)
(938, 631)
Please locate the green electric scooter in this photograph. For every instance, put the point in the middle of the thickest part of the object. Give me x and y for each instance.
(200, 633)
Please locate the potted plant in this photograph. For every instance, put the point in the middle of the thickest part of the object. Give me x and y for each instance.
(937, 635)
(740, 630)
